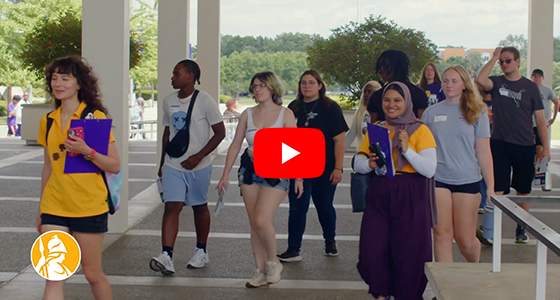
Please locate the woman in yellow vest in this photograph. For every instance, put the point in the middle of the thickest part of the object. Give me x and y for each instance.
(395, 237)
(75, 203)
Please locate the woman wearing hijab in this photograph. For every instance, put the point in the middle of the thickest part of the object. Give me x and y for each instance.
(361, 117)
(395, 238)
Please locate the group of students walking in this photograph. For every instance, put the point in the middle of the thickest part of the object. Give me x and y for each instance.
(442, 148)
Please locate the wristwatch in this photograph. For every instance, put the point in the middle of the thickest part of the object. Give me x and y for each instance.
(90, 156)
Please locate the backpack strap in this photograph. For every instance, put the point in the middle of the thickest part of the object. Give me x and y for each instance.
(85, 113)
(189, 112)
(49, 125)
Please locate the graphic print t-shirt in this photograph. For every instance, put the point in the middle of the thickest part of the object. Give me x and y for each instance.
(205, 114)
(435, 93)
(329, 120)
(513, 105)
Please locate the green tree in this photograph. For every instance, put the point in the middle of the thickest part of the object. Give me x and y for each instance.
(143, 24)
(238, 69)
(557, 49)
(517, 41)
(349, 55)
(61, 36)
(556, 78)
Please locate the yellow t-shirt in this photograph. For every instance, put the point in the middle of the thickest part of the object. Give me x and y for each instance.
(70, 195)
(421, 139)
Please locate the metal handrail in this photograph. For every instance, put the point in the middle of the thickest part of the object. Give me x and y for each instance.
(546, 237)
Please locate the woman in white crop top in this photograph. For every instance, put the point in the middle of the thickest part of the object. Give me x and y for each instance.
(262, 196)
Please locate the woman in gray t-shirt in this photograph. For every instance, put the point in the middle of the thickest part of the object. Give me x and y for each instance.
(461, 129)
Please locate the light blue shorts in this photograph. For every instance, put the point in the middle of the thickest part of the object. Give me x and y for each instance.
(188, 187)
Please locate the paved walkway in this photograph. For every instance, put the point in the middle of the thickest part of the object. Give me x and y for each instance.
(126, 256)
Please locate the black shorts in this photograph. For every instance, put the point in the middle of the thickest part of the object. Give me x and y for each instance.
(95, 224)
(537, 137)
(521, 158)
(469, 188)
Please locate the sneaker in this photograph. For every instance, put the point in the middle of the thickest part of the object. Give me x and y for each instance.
(480, 236)
(289, 256)
(273, 271)
(163, 263)
(481, 210)
(330, 248)
(198, 260)
(521, 235)
(258, 280)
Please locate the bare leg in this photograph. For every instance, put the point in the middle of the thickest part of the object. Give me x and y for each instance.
(465, 215)
(443, 231)
(250, 197)
(92, 248)
(54, 290)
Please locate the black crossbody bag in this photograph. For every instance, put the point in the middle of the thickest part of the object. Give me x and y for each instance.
(180, 142)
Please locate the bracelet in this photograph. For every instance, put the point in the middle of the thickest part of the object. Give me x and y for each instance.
(299, 180)
(199, 159)
(341, 171)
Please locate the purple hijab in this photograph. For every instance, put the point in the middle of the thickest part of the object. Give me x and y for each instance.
(407, 121)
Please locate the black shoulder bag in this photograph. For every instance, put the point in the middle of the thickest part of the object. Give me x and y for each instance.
(180, 142)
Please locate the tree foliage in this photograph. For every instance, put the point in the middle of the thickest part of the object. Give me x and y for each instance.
(517, 41)
(238, 69)
(284, 42)
(143, 25)
(61, 36)
(349, 55)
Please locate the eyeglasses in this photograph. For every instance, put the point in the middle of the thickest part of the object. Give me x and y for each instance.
(56, 156)
(303, 83)
(257, 86)
(507, 61)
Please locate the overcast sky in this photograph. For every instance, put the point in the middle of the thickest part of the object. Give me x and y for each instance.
(469, 23)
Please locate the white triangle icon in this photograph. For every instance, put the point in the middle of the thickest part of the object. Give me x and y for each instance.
(288, 153)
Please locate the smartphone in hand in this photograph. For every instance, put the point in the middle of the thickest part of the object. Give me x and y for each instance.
(375, 148)
(78, 132)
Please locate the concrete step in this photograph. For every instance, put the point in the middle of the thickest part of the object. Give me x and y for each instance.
(460, 281)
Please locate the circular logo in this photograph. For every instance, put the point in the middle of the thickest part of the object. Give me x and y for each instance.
(55, 255)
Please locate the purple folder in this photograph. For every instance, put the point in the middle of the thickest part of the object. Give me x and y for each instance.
(380, 135)
(96, 135)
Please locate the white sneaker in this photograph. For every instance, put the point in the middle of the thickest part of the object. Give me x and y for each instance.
(273, 271)
(163, 263)
(198, 260)
(259, 279)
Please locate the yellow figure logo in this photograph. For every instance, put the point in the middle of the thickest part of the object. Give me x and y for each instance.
(55, 255)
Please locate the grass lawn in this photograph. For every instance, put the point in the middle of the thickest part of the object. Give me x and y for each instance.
(3, 120)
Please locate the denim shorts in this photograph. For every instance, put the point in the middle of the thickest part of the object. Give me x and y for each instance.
(284, 184)
(188, 187)
(95, 224)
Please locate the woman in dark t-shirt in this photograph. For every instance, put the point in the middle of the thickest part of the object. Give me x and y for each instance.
(431, 84)
(313, 109)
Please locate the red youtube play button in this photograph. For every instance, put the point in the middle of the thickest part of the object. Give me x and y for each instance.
(289, 153)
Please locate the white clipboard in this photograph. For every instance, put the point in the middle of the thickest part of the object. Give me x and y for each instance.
(220, 201)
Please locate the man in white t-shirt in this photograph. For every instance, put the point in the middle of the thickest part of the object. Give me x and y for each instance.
(186, 179)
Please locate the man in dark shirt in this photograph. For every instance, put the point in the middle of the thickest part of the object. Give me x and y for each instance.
(393, 65)
(515, 100)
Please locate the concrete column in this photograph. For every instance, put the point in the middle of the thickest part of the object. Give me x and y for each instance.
(541, 41)
(173, 46)
(105, 45)
(208, 46)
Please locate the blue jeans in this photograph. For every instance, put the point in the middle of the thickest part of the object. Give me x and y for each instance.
(322, 191)
(488, 219)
